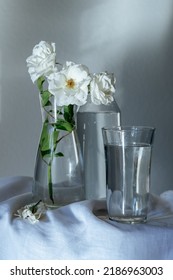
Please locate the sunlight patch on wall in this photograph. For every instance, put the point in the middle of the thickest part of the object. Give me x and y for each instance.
(120, 24)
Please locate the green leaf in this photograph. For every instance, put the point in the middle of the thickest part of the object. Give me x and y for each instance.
(40, 82)
(64, 125)
(45, 138)
(59, 154)
(49, 137)
(68, 113)
(55, 136)
(45, 98)
(46, 153)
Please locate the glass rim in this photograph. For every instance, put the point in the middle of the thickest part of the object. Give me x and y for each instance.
(128, 128)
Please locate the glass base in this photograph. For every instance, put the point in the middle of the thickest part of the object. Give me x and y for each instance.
(129, 220)
(62, 194)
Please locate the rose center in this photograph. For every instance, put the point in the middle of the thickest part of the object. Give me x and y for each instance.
(70, 83)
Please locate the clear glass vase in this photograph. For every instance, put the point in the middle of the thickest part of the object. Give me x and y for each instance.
(58, 176)
(91, 119)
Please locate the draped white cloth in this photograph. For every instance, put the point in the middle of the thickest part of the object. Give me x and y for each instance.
(76, 232)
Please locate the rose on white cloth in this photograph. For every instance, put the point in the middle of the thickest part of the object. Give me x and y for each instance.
(102, 88)
(32, 212)
(42, 61)
(70, 85)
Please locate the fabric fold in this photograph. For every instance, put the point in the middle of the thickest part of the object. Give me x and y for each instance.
(81, 230)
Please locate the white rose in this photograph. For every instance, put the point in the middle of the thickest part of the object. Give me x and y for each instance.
(70, 85)
(102, 89)
(42, 60)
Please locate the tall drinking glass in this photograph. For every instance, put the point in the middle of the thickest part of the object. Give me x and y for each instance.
(128, 164)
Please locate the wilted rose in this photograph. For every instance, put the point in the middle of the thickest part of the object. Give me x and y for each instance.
(102, 88)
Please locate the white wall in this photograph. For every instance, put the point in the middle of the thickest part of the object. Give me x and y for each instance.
(132, 38)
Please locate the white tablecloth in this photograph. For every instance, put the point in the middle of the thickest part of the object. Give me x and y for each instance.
(75, 232)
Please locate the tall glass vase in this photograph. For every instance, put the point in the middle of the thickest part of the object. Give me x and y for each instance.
(91, 119)
(58, 177)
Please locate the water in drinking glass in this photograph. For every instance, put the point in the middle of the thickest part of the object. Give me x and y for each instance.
(127, 179)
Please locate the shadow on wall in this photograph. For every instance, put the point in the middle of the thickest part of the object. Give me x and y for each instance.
(133, 39)
(147, 83)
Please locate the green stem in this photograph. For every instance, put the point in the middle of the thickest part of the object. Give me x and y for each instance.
(62, 137)
(34, 207)
(48, 113)
(50, 185)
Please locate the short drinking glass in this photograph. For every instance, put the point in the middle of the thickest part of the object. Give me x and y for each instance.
(128, 164)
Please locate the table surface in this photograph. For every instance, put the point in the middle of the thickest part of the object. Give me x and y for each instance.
(80, 231)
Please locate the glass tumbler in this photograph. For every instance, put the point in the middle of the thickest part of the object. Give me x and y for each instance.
(128, 164)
